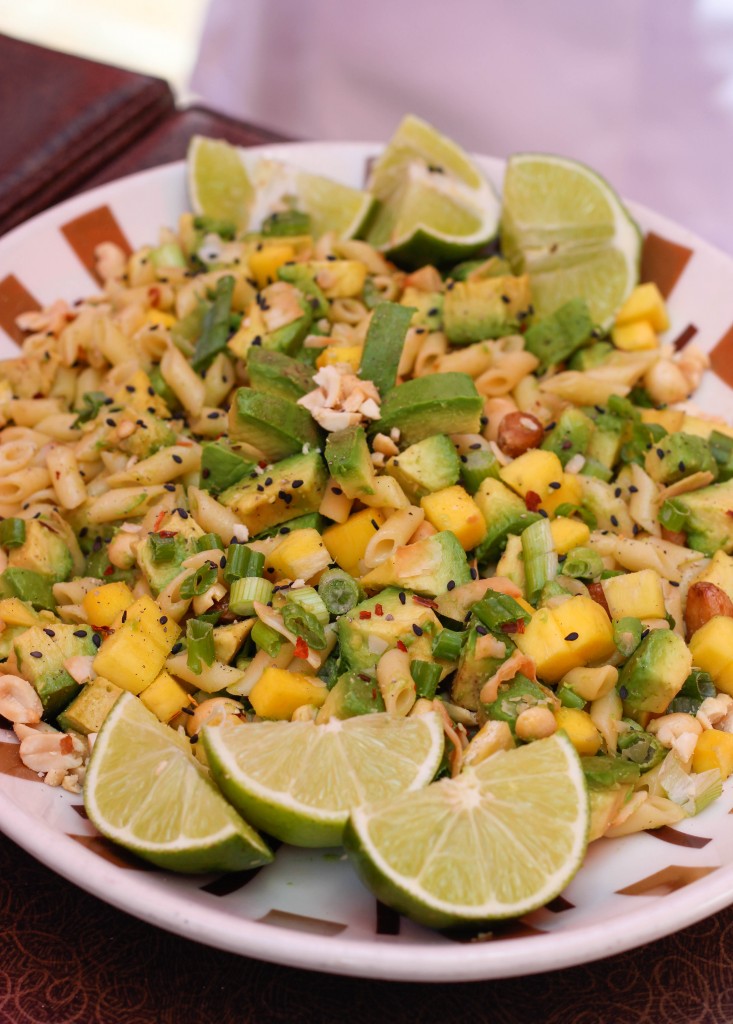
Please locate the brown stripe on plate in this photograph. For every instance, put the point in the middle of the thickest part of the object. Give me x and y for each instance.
(388, 920)
(86, 232)
(721, 357)
(81, 811)
(663, 261)
(301, 923)
(559, 904)
(684, 338)
(663, 882)
(114, 854)
(671, 835)
(227, 884)
(11, 764)
(14, 300)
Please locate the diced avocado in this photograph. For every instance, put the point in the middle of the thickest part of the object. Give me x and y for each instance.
(29, 586)
(274, 373)
(476, 466)
(505, 512)
(555, 338)
(43, 551)
(351, 696)
(426, 466)
(475, 270)
(604, 446)
(602, 771)
(570, 435)
(677, 456)
(274, 425)
(41, 653)
(150, 434)
(221, 467)
(399, 614)
(161, 562)
(299, 275)
(290, 488)
(471, 674)
(310, 521)
(591, 356)
(427, 306)
(704, 515)
(385, 339)
(290, 337)
(656, 671)
(7, 637)
(428, 566)
(607, 508)
(229, 638)
(89, 708)
(350, 462)
(486, 308)
(515, 696)
(441, 403)
(605, 802)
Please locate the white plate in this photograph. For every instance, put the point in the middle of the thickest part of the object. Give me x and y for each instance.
(308, 909)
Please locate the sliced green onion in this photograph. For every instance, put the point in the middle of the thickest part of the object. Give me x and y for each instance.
(308, 598)
(199, 644)
(225, 229)
(304, 624)
(569, 698)
(673, 515)
(243, 562)
(583, 564)
(163, 549)
(568, 510)
(627, 635)
(215, 327)
(266, 638)
(92, 402)
(245, 591)
(698, 685)
(285, 224)
(495, 610)
(426, 675)
(339, 591)
(721, 447)
(12, 533)
(540, 557)
(209, 541)
(199, 581)
(447, 645)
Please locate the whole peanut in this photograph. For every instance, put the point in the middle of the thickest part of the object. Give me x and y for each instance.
(704, 601)
(518, 432)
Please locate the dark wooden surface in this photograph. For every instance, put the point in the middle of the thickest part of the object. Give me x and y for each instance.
(66, 957)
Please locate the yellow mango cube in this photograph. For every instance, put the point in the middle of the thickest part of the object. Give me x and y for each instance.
(347, 542)
(637, 594)
(162, 630)
(300, 555)
(638, 336)
(581, 617)
(133, 656)
(714, 749)
(533, 471)
(264, 263)
(570, 492)
(159, 318)
(252, 327)
(103, 604)
(543, 641)
(719, 572)
(712, 650)
(453, 508)
(333, 354)
(339, 279)
(164, 697)
(568, 534)
(704, 428)
(14, 612)
(580, 730)
(645, 303)
(670, 419)
(278, 693)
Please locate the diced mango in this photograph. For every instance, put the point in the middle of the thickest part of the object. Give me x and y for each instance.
(278, 693)
(714, 749)
(134, 655)
(704, 427)
(569, 492)
(712, 649)
(103, 604)
(568, 534)
(453, 508)
(136, 393)
(349, 354)
(580, 730)
(347, 542)
(533, 471)
(719, 571)
(645, 303)
(546, 645)
(265, 262)
(300, 555)
(583, 618)
(724, 679)
(159, 318)
(637, 594)
(164, 697)
(638, 336)
(670, 419)
(339, 279)
(251, 329)
(14, 612)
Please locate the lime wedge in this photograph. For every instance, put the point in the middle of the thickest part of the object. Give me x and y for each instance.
(497, 841)
(330, 205)
(566, 227)
(218, 184)
(298, 781)
(435, 204)
(145, 791)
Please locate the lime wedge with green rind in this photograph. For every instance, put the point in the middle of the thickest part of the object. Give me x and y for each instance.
(218, 182)
(299, 781)
(567, 228)
(144, 790)
(495, 842)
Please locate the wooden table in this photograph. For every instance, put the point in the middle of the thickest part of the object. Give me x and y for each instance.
(67, 957)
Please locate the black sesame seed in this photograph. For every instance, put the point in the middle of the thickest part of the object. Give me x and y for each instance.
(130, 388)
(213, 416)
(403, 598)
(660, 453)
(555, 485)
(49, 632)
(506, 299)
(163, 619)
(475, 447)
(151, 392)
(171, 487)
(484, 421)
(543, 513)
(416, 629)
(617, 492)
(336, 490)
(177, 648)
(623, 692)
(36, 654)
(284, 530)
(268, 481)
(474, 573)
(681, 466)
(633, 489)
(673, 583)
(124, 616)
(572, 636)
(187, 711)
(260, 488)
(81, 633)
(451, 585)
(296, 484)
(464, 458)
(152, 410)
(96, 640)
(110, 423)
(177, 458)
(482, 630)
(374, 523)
(195, 738)
(182, 513)
(635, 529)
(614, 521)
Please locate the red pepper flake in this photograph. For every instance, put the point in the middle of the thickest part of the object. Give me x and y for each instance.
(401, 646)
(158, 520)
(378, 610)
(167, 533)
(301, 648)
(263, 463)
(365, 615)
(513, 627)
(532, 500)
(154, 296)
(109, 570)
(427, 602)
(729, 512)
